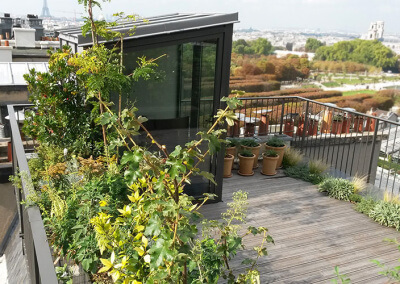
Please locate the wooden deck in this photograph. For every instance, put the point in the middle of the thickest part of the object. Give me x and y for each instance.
(313, 233)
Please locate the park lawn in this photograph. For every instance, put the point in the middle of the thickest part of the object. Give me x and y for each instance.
(349, 93)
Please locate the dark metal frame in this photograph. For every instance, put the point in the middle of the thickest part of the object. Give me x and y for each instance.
(35, 244)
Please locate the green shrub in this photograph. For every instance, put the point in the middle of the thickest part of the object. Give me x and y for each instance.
(387, 214)
(246, 153)
(338, 188)
(356, 198)
(275, 142)
(317, 166)
(291, 157)
(271, 153)
(249, 142)
(303, 172)
(232, 142)
(365, 205)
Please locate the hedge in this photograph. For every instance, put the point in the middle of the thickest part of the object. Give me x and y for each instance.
(287, 92)
(320, 95)
(256, 86)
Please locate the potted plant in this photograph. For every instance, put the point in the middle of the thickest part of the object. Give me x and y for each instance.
(246, 161)
(358, 123)
(312, 127)
(278, 145)
(270, 159)
(228, 164)
(337, 124)
(346, 124)
(231, 146)
(254, 147)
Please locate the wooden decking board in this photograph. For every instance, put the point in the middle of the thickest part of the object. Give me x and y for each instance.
(313, 232)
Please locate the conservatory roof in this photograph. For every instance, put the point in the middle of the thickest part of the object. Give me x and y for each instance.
(165, 24)
(12, 73)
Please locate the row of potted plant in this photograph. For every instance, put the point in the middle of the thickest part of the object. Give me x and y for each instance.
(249, 151)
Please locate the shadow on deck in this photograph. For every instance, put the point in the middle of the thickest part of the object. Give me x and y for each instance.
(313, 233)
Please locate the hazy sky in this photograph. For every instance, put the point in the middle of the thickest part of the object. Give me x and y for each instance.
(349, 15)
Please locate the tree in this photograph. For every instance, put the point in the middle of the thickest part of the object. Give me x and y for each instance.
(313, 44)
(262, 46)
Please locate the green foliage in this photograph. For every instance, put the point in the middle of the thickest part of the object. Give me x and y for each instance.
(386, 213)
(317, 167)
(361, 51)
(331, 84)
(260, 46)
(337, 188)
(313, 44)
(246, 153)
(303, 172)
(392, 273)
(338, 117)
(275, 142)
(340, 278)
(249, 142)
(292, 157)
(365, 205)
(232, 142)
(356, 198)
(271, 153)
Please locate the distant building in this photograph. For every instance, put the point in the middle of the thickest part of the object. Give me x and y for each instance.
(376, 31)
(6, 24)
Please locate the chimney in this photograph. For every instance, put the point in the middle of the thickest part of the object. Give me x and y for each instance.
(24, 37)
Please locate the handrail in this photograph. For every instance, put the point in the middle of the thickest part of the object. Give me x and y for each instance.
(318, 103)
(43, 257)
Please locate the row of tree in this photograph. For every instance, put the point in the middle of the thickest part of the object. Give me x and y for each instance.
(260, 46)
(370, 52)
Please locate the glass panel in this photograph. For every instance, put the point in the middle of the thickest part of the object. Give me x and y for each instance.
(178, 101)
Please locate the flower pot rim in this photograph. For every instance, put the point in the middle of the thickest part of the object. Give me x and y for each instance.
(275, 147)
(259, 145)
(271, 157)
(230, 156)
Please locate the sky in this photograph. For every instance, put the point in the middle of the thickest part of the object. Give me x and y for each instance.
(326, 15)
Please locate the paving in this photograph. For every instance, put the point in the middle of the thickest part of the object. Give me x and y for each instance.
(313, 233)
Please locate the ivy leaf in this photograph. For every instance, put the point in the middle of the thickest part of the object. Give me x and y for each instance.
(106, 118)
(160, 253)
(153, 226)
(208, 176)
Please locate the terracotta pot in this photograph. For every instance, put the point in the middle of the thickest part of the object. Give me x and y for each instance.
(263, 126)
(230, 151)
(337, 127)
(280, 151)
(233, 131)
(312, 127)
(249, 130)
(245, 165)
(370, 125)
(327, 121)
(228, 163)
(288, 128)
(358, 124)
(269, 165)
(256, 152)
(346, 125)
(300, 128)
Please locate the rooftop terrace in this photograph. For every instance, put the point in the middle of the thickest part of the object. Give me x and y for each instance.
(313, 233)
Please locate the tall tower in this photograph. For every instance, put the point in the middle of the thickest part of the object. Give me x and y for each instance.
(45, 10)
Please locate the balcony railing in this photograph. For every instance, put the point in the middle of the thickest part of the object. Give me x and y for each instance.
(35, 244)
(351, 143)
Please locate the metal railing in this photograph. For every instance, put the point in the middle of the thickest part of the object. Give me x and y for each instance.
(35, 245)
(352, 143)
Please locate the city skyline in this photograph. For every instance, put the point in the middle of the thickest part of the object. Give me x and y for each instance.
(326, 15)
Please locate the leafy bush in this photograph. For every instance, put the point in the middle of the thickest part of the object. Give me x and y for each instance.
(365, 205)
(387, 214)
(292, 157)
(256, 86)
(249, 142)
(356, 198)
(337, 188)
(232, 142)
(275, 142)
(303, 172)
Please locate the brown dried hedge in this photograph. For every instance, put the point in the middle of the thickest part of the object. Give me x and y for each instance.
(287, 92)
(256, 86)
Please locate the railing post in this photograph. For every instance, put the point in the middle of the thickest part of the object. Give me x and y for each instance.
(282, 114)
(305, 126)
(372, 150)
